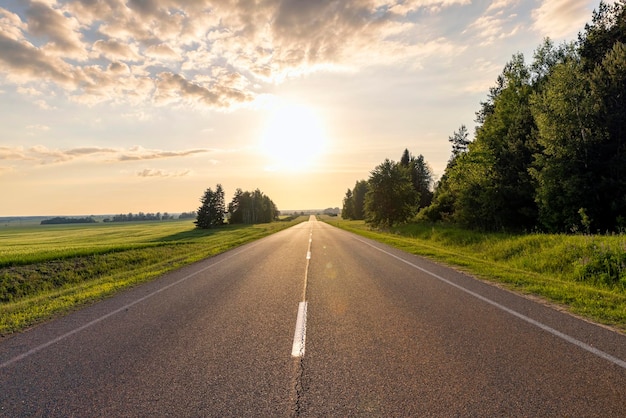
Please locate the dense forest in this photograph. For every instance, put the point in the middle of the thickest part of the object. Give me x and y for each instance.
(548, 152)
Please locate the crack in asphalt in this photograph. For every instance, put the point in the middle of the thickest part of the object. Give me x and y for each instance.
(297, 407)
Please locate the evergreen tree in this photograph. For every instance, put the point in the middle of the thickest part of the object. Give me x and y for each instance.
(422, 180)
(406, 158)
(234, 208)
(420, 175)
(608, 26)
(358, 195)
(212, 210)
(460, 141)
(347, 212)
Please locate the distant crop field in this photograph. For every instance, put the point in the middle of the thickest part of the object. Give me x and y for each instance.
(49, 269)
(30, 244)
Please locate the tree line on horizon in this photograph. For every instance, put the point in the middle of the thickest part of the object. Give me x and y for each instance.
(129, 217)
(245, 208)
(140, 216)
(59, 220)
(548, 152)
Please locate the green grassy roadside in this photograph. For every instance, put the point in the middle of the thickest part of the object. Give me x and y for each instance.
(584, 274)
(49, 270)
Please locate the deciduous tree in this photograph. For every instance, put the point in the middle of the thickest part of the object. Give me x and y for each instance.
(390, 198)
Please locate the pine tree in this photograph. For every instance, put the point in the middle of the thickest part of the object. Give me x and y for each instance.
(348, 206)
(459, 141)
(211, 212)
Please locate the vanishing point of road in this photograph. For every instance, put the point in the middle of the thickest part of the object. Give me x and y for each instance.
(315, 322)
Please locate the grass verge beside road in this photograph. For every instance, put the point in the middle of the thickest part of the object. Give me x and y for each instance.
(585, 274)
(49, 270)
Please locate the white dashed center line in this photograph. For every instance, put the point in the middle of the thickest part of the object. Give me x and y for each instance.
(299, 336)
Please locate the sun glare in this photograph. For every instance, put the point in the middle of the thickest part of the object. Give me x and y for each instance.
(293, 138)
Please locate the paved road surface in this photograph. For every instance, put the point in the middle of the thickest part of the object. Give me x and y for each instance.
(386, 334)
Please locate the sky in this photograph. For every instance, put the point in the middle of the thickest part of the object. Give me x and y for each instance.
(117, 106)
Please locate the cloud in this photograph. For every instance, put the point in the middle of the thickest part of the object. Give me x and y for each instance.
(139, 153)
(44, 155)
(560, 18)
(29, 91)
(494, 25)
(11, 24)
(162, 51)
(151, 172)
(172, 88)
(77, 152)
(22, 62)
(60, 31)
(501, 4)
(205, 53)
(433, 6)
(116, 50)
(12, 153)
(47, 155)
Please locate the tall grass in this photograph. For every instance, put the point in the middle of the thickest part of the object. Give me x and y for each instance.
(584, 273)
(52, 269)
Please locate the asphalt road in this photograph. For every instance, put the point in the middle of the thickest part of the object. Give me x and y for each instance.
(386, 334)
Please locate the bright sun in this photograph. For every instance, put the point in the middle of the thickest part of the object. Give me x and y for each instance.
(293, 139)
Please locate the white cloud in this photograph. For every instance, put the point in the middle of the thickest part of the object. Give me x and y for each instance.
(204, 53)
(162, 51)
(490, 28)
(139, 153)
(409, 6)
(41, 154)
(501, 4)
(12, 153)
(116, 50)
(151, 172)
(60, 31)
(11, 26)
(29, 91)
(560, 18)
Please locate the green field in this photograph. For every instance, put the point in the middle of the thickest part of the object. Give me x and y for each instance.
(51, 269)
(585, 274)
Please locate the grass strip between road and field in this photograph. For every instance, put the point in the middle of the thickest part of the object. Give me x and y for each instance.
(50, 270)
(585, 274)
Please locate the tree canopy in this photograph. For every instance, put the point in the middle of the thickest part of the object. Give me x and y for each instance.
(548, 151)
(212, 211)
(393, 194)
(251, 208)
(245, 208)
